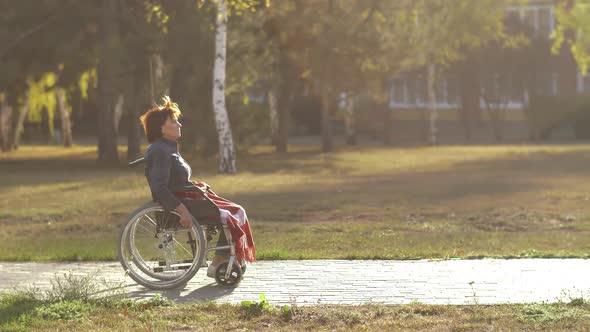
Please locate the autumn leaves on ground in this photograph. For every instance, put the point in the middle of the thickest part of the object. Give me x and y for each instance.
(362, 202)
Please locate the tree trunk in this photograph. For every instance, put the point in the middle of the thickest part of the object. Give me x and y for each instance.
(5, 120)
(327, 144)
(432, 111)
(498, 124)
(284, 102)
(134, 130)
(157, 84)
(119, 111)
(274, 116)
(107, 70)
(227, 159)
(138, 101)
(383, 108)
(66, 127)
(284, 113)
(349, 120)
(469, 84)
(21, 120)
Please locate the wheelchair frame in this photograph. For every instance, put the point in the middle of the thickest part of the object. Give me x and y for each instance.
(168, 264)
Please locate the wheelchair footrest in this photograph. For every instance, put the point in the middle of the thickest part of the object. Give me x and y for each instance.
(186, 261)
(180, 265)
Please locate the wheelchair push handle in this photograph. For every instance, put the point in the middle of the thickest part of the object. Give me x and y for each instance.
(136, 162)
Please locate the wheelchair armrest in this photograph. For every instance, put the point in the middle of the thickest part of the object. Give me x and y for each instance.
(194, 189)
(136, 162)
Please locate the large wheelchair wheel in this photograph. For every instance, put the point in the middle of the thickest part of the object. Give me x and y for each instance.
(157, 252)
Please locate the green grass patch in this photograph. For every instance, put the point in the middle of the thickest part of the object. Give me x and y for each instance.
(152, 316)
(356, 203)
(76, 303)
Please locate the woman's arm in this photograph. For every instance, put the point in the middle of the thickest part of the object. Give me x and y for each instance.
(159, 166)
(158, 175)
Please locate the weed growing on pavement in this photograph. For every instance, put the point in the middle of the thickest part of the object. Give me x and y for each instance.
(64, 310)
(254, 308)
(474, 294)
(156, 301)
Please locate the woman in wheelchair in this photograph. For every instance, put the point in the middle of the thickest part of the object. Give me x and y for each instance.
(168, 176)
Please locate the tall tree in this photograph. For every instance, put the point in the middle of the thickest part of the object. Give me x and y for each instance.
(108, 68)
(445, 31)
(227, 158)
(18, 128)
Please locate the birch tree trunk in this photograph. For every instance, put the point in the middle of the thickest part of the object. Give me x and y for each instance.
(20, 121)
(274, 116)
(227, 159)
(432, 111)
(66, 126)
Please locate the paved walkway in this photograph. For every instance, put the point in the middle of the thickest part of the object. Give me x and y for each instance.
(312, 282)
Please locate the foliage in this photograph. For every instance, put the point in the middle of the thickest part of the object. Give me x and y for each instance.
(42, 98)
(69, 287)
(254, 308)
(444, 30)
(573, 30)
(156, 301)
(549, 312)
(65, 310)
(70, 297)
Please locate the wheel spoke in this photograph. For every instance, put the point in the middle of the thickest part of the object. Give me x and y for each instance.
(154, 254)
(183, 248)
(150, 219)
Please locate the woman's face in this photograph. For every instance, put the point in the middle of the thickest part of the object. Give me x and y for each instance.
(171, 129)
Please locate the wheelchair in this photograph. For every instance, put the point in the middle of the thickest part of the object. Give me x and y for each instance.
(158, 253)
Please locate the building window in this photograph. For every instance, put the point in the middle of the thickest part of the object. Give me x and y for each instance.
(452, 90)
(517, 90)
(411, 89)
(398, 91)
(420, 90)
(541, 18)
(545, 26)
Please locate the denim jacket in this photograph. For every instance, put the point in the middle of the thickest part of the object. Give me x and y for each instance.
(167, 172)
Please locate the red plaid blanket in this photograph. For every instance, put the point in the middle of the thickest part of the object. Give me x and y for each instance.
(234, 216)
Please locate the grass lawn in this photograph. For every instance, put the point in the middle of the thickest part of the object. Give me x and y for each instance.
(359, 202)
(24, 313)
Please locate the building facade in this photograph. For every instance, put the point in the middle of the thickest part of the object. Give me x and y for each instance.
(501, 80)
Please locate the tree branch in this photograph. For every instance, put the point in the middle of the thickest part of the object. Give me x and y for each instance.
(25, 35)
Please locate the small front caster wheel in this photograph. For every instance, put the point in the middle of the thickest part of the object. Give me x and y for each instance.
(234, 278)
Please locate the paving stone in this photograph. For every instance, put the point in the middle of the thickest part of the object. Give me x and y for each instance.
(486, 281)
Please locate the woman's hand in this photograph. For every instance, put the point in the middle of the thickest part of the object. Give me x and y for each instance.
(186, 219)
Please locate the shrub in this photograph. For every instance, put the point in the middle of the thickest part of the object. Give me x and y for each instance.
(545, 113)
